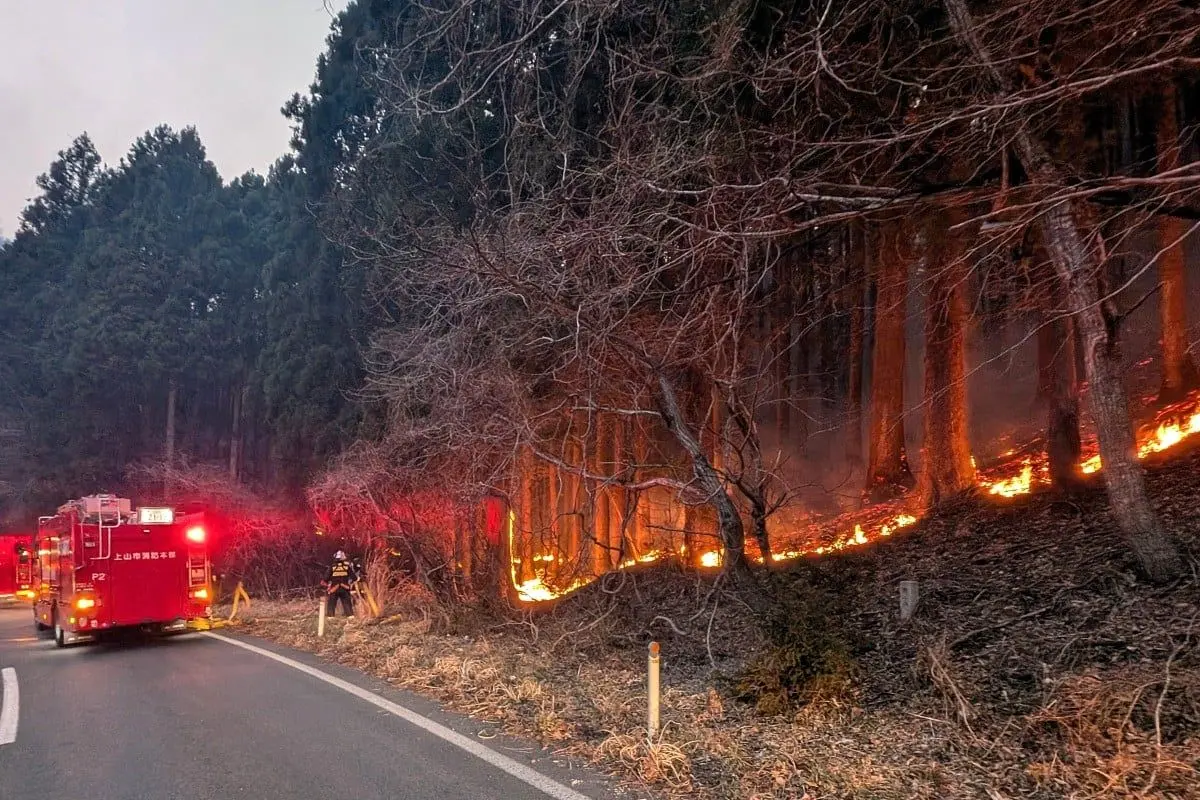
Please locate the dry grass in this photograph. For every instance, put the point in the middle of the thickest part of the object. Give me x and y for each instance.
(1037, 667)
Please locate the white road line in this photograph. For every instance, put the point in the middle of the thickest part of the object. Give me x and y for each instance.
(10, 706)
(502, 762)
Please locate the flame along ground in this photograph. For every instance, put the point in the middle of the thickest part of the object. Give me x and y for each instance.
(1018, 476)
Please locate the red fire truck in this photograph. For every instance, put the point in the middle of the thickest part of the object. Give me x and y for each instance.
(16, 566)
(103, 566)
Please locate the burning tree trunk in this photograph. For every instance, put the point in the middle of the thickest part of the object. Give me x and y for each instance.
(1078, 267)
(1178, 370)
(520, 547)
(947, 470)
(1060, 391)
(887, 468)
(598, 465)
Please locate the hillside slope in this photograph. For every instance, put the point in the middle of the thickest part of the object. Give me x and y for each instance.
(1036, 666)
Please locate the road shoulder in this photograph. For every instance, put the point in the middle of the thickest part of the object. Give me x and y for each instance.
(566, 770)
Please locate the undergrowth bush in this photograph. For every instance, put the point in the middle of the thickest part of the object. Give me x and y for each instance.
(808, 657)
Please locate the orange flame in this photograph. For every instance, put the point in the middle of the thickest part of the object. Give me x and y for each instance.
(1169, 434)
(1021, 483)
(1174, 425)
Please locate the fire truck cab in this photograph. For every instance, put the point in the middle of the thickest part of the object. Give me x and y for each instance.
(103, 566)
(16, 567)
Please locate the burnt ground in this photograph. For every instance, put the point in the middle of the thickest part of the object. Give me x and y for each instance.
(1037, 664)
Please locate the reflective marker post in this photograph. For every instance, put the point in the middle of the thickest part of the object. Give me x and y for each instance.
(321, 618)
(652, 689)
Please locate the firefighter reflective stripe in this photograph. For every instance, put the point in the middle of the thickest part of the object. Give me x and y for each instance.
(340, 570)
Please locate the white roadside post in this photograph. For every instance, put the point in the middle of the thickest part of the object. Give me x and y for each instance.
(321, 618)
(652, 689)
(910, 595)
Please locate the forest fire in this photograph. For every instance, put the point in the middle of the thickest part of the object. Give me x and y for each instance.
(1171, 427)
(1025, 470)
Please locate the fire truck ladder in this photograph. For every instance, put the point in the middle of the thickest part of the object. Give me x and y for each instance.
(197, 571)
(105, 512)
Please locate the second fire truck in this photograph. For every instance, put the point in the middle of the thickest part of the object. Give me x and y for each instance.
(16, 567)
(103, 566)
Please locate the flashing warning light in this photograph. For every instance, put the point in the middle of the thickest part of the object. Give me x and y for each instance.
(85, 602)
(195, 534)
(200, 594)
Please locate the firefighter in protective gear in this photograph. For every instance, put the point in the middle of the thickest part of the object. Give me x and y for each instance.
(339, 580)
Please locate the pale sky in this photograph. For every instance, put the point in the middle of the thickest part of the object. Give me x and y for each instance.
(116, 68)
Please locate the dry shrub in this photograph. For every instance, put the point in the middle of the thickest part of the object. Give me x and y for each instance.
(935, 661)
(655, 762)
(1126, 733)
(808, 658)
(268, 547)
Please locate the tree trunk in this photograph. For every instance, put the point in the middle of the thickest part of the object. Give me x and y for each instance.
(752, 481)
(172, 397)
(947, 470)
(782, 313)
(1178, 370)
(729, 522)
(602, 548)
(1060, 392)
(522, 548)
(235, 434)
(856, 301)
(1078, 267)
(550, 540)
(887, 468)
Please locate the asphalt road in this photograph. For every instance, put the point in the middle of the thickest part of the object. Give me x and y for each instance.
(194, 717)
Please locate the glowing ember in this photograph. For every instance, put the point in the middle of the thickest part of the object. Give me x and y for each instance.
(645, 558)
(535, 590)
(902, 521)
(710, 559)
(1091, 465)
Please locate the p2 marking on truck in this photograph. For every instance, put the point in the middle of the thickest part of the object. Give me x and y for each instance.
(103, 566)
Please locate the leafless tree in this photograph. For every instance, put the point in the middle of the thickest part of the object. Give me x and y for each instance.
(578, 211)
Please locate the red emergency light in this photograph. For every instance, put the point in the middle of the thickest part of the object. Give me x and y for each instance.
(195, 534)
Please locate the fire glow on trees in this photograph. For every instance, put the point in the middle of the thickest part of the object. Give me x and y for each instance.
(1017, 476)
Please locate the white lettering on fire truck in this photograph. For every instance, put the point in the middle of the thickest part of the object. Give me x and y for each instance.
(153, 555)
